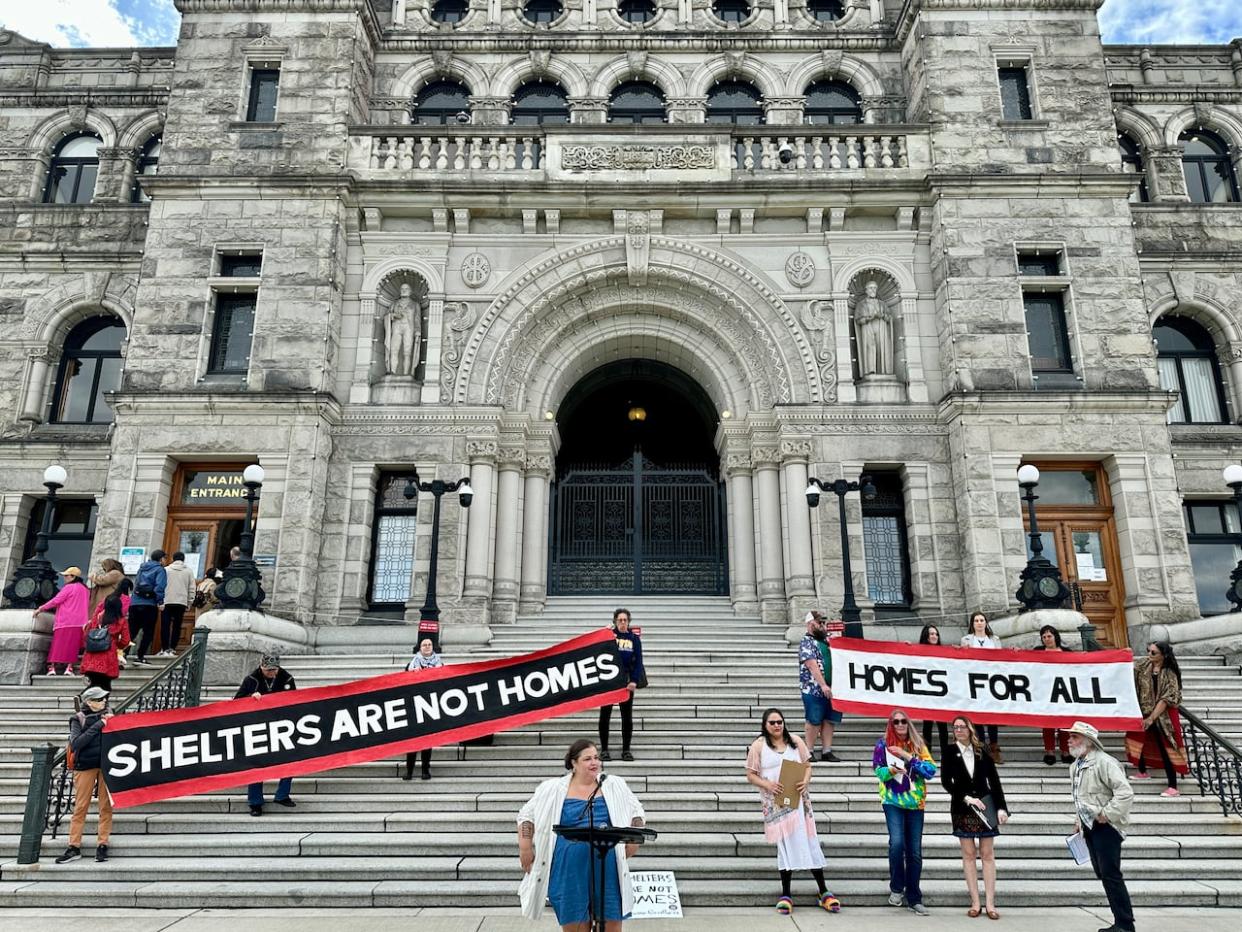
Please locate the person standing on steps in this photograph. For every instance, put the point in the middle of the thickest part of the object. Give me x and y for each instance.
(70, 605)
(104, 583)
(977, 809)
(814, 679)
(979, 636)
(178, 595)
(1050, 639)
(1158, 682)
(269, 677)
(1102, 799)
(425, 658)
(631, 648)
(101, 667)
(903, 766)
(931, 635)
(792, 830)
(150, 583)
(86, 744)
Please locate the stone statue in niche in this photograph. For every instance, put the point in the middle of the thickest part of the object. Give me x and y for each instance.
(873, 321)
(403, 333)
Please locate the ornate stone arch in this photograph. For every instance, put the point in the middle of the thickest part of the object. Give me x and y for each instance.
(853, 71)
(377, 274)
(845, 274)
(73, 120)
(723, 67)
(1139, 126)
(554, 68)
(140, 129)
(431, 69)
(748, 313)
(1217, 119)
(1183, 298)
(638, 67)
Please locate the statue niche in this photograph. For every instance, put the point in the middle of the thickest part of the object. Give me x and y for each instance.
(875, 302)
(401, 303)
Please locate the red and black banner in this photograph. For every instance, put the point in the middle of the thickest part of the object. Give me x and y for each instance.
(150, 756)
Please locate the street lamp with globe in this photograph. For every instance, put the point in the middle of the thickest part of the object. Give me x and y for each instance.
(1041, 586)
(34, 582)
(242, 586)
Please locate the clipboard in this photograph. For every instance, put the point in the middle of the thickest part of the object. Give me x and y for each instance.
(1077, 845)
(792, 773)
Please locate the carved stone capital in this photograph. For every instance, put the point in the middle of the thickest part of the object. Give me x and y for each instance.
(511, 457)
(482, 451)
(736, 463)
(795, 449)
(765, 457)
(539, 464)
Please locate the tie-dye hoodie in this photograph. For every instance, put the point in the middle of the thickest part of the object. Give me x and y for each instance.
(907, 790)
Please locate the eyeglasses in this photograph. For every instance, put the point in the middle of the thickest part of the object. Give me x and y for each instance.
(778, 721)
(961, 727)
(1153, 653)
(900, 721)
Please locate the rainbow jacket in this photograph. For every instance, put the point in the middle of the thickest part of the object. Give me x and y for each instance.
(907, 790)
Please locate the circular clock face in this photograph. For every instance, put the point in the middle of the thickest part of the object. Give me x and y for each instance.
(1028, 589)
(47, 589)
(25, 587)
(1049, 587)
(235, 587)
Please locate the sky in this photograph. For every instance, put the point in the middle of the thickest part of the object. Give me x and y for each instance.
(75, 23)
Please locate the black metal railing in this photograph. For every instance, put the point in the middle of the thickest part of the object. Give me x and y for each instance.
(49, 796)
(1214, 761)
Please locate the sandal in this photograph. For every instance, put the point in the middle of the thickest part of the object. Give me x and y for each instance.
(974, 912)
(829, 902)
(784, 905)
(993, 914)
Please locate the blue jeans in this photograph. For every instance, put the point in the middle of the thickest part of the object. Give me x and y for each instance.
(254, 792)
(905, 852)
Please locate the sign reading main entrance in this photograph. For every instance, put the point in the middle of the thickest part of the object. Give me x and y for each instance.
(638, 529)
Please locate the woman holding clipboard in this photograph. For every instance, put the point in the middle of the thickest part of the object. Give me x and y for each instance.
(977, 808)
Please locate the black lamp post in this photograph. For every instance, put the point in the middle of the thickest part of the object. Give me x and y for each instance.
(1041, 584)
(34, 582)
(438, 489)
(850, 613)
(242, 586)
(1233, 479)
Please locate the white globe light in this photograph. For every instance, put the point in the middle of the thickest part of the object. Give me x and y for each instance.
(55, 474)
(253, 473)
(1233, 474)
(1028, 474)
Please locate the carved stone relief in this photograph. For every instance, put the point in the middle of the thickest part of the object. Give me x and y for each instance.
(637, 158)
(800, 269)
(460, 321)
(475, 270)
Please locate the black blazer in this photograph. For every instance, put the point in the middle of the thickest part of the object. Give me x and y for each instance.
(959, 784)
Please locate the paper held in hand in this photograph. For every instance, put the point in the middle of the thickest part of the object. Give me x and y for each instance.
(1077, 845)
(792, 773)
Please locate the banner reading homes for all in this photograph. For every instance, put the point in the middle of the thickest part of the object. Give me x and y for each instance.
(159, 755)
(1006, 687)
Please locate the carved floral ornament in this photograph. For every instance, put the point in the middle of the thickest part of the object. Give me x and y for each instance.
(475, 270)
(482, 450)
(638, 158)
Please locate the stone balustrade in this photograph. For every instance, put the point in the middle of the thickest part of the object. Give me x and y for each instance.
(805, 151)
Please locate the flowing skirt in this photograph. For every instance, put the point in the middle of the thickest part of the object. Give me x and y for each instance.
(1140, 745)
(66, 644)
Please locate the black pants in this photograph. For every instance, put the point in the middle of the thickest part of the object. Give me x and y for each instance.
(1154, 734)
(627, 723)
(142, 620)
(409, 761)
(102, 680)
(1104, 844)
(942, 728)
(170, 625)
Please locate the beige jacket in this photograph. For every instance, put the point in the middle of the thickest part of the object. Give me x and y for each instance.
(1103, 787)
(104, 585)
(180, 588)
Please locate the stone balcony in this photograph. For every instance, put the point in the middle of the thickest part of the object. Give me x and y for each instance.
(675, 153)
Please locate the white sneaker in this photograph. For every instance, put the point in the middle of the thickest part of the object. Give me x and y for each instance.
(896, 899)
(919, 910)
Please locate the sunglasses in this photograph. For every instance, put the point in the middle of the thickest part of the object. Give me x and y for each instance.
(900, 721)
(778, 721)
(1153, 653)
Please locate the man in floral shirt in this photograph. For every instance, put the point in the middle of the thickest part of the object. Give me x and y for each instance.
(814, 672)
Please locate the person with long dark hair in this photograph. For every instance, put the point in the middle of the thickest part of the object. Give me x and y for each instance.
(1050, 639)
(979, 635)
(977, 809)
(101, 667)
(931, 635)
(1158, 681)
(631, 647)
(70, 605)
(790, 828)
(903, 766)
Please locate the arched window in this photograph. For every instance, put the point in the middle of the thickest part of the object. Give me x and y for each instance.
(734, 102)
(731, 11)
(1186, 357)
(441, 102)
(825, 11)
(1208, 165)
(1132, 161)
(542, 12)
(636, 11)
(147, 163)
(449, 11)
(539, 102)
(75, 164)
(832, 102)
(89, 366)
(636, 102)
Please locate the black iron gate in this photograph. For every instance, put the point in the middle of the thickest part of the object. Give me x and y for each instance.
(638, 528)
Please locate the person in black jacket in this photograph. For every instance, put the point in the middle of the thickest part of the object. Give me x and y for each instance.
(269, 677)
(631, 648)
(86, 742)
(977, 808)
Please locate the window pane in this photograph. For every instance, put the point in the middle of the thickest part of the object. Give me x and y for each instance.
(1045, 324)
(1068, 487)
(1206, 518)
(109, 381)
(1201, 393)
(885, 559)
(393, 562)
(81, 147)
(77, 393)
(233, 335)
(1219, 181)
(1015, 94)
(246, 266)
(1038, 263)
(1089, 556)
(85, 189)
(263, 86)
(1167, 367)
(1212, 565)
(1194, 182)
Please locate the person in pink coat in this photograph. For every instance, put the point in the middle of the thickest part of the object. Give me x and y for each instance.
(70, 605)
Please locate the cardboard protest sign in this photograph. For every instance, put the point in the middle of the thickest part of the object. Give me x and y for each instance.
(149, 756)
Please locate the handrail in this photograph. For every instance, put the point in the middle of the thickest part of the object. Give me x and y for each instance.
(1214, 761)
(49, 794)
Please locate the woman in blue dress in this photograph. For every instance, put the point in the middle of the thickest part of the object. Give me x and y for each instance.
(557, 870)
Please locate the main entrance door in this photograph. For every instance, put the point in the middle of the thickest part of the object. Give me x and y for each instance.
(637, 505)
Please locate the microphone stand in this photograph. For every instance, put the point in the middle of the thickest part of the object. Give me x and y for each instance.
(597, 915)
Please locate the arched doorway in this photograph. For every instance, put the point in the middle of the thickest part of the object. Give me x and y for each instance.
(637, 506)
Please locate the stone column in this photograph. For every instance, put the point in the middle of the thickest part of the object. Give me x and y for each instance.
(686, 109)
(508, 511)
(364, 352)
(482, 456)
(1164, 170)
(433, 339)
(771, 546)
(799, 574)
(911, 350)
(742, 529)
(41, 363)
(843, 328)
(487, 111)
(785, 111)
(535, 533)
(588, 110)
(108, 180)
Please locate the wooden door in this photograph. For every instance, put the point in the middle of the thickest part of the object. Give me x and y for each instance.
(196, 538)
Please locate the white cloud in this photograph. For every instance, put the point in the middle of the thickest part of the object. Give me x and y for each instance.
(1171, 21)
(78, 23)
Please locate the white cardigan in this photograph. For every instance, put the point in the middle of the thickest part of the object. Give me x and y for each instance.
(544, 810)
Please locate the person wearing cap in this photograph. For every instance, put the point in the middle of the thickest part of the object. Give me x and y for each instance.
(269, 677)
(1102, 798)
(814, 677)
(86, 742)
(70, 605)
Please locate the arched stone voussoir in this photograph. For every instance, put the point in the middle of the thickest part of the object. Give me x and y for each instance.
(52, 314)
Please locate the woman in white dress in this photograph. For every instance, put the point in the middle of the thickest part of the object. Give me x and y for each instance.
(792, 830)
(979, 636)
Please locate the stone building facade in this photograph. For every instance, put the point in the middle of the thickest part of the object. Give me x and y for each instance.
(873, 236)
